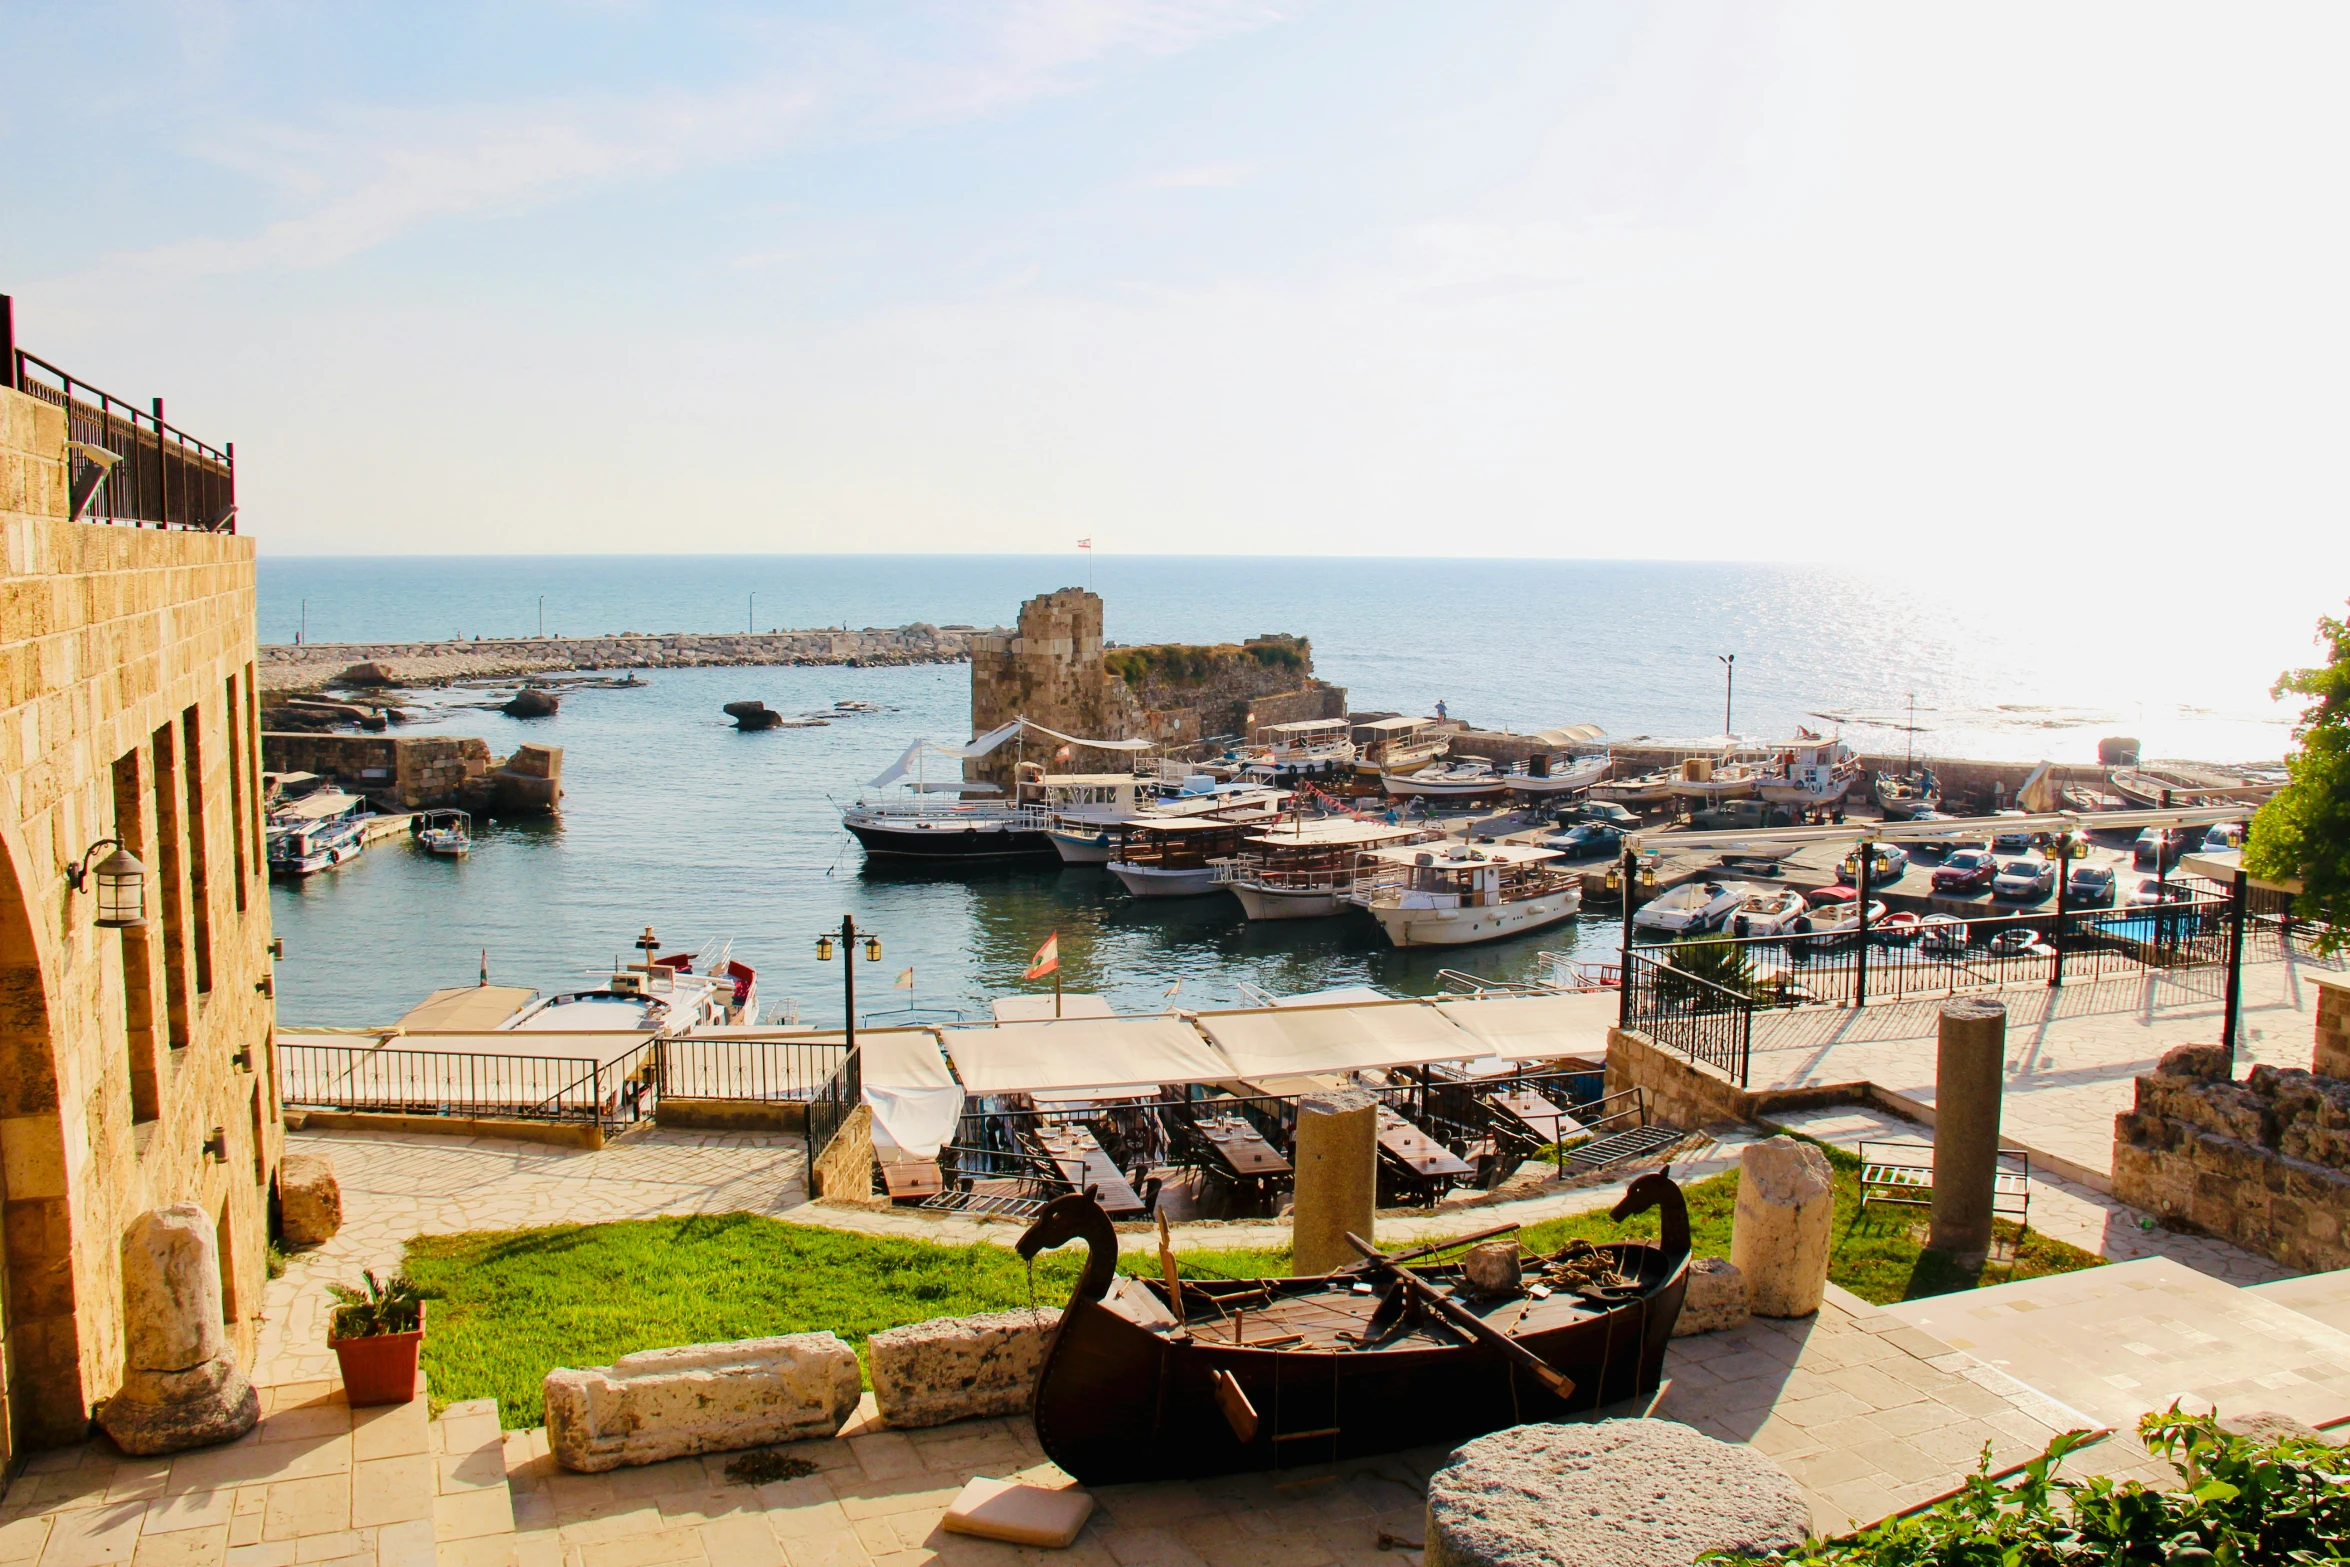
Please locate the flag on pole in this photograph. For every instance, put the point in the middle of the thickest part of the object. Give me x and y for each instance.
(905, 981)
(1063, 754)
(1048, 958)
(1085, 544)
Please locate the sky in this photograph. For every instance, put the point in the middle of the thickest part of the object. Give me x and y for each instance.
(1881, 283)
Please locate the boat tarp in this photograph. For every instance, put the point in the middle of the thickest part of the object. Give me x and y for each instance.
(1330, 998)
(1571, 734)
(1288, 1041)
(977, 748)
(1535, 1028)
(1039, 1009)
(914, 1098)
(1088, 1052)
(1091, 745)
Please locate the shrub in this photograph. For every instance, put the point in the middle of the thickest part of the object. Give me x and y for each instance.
(384, 1307)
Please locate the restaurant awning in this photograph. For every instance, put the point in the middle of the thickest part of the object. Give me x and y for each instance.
(1105, 1052)
(1292, 1040)
(1534, 1028)
(915, 1099)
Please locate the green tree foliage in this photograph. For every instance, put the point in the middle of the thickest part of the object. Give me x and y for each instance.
(2238, 1501)
(2304, 833)
(1723, 963)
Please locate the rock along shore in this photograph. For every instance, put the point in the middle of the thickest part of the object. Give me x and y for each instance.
(308, 666)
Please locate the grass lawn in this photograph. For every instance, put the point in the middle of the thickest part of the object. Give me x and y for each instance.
(509, 1306)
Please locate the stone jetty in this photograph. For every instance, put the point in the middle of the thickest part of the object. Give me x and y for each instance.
(309, 666)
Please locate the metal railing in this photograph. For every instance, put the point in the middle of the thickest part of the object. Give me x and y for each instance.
(832, 1103)
(443, 1083)
(163, 475)
(1706, 1022)
(767, 1070)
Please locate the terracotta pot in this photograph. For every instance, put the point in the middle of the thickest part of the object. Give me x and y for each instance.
(380, 1370)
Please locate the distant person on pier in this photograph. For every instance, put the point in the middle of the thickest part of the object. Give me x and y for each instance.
(1440, 714)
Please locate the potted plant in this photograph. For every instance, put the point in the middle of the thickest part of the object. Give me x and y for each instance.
(375, 1333)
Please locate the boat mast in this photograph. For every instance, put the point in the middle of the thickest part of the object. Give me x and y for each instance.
(1913, 732)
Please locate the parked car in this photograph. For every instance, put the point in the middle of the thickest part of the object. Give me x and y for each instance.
(1607, 812)
(1967, 870)
(1885, 865)
(1589, 838)
(2090, 886)
(2165, 844)
(2024, 879)
(2224, 835)
(1959, 837)
(2009, 840)
(2152, 890)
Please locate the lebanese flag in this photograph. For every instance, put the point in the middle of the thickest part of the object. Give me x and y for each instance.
(1048, 958)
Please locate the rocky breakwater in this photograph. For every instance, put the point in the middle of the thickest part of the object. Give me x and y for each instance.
(309, 666)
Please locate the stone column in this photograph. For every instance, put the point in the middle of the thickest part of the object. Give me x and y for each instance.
(1336, 1155)
(1970, 1058)
(181, 1387)
(1783, 1227)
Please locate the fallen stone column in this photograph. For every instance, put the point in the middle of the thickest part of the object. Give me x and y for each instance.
(1716, 1298)
(700, 1398)
(1783, 1227)
(182, 1388)
(959, 1368)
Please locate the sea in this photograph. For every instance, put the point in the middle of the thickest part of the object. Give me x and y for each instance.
(675, 820)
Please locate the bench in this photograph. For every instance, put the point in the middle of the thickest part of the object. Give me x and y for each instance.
(1903, 1172)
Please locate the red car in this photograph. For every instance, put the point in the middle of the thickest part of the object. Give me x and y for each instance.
(1968, 870)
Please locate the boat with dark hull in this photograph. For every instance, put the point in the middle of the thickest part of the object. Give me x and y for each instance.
(1147, 1380)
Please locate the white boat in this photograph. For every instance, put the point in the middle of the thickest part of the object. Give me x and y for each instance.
(298, 848)
(1461, 778)
(1646, 790)
(1768, 913)
(676, 994)
(1810, 774)
(905, 813)
(1080, 809)
(1710, 780)
(1181, 856)
(1692, 906)
(1089, 837)
(1902, 798)
(1289, 754)
(1303, 869)
(1456, 894)
(446, 833)
(1397, 744)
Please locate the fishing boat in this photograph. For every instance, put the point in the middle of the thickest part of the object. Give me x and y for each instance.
(1811, 774)
(1710, 781)
(2087, 802)
(1692, 907)
(1303, 869)
(1649, 789)
(446, 833)
(301, 847)
(1286, 755)
(1179, 856)
(1397, 744)
(1902, 796)
(1089, 835)
(1456, 894)
(1543, 775)
(1150, 1379)
(675, 994)
(1461, 778)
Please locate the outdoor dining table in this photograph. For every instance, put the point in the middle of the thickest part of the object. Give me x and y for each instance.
(1084, 1162)
(1415, 1149)
(1538, 1115)
(1242, 1150)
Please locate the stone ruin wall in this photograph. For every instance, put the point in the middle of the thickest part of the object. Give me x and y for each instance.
(1052, 670)
(2263, 1161)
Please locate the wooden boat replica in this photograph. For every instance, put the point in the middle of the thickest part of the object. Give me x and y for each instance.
(1902, 797)
(1152, 1380)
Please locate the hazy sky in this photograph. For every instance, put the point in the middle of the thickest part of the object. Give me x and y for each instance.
(1682, 280)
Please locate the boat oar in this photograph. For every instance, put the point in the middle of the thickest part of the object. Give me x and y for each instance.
(1466, 1320)
(1446, 1244)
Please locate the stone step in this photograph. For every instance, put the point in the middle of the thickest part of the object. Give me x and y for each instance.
(472, 1508)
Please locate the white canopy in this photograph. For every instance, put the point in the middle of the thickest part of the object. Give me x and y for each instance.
(1096, 745)
(1290, 1040)
(1090, 1052)
(1530, 1028)
(977, 748)
(915, 1099)
(1039, 1008)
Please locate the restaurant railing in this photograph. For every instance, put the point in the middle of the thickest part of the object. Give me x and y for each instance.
(766, 1070)
(830, 1106)
(1684, 1011)
(440, 1083)
(162, 475)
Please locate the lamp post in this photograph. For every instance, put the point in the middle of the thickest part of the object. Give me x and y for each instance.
(848, 937)
(1729, 683)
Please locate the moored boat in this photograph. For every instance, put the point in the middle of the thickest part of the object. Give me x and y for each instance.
(1300, 869)
(705, 988)
(1771, 912)
(1179, 857)
(1151, 1380)
(1811, 774)
(300, 847)
(1286, 755)
(1692, 907)
(447, 833)
(1397, 744)
(1457, 894)
(1902, 796)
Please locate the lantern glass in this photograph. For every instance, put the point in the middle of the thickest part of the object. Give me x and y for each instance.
(873, 949)
(824, 949)
(122, 891)
(1613, 881)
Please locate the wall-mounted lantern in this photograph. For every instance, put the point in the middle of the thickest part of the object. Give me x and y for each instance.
(122, 885)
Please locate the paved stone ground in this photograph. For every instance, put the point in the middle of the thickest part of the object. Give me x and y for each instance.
(2064, 1209)
(2072, 1054)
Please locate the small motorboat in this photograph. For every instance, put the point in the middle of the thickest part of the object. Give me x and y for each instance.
(298, 848)
(1641, 793)
(446, 833)
(1772, 913)
(1902, 796)
(1943, 935)
(1691, 907)
(1150, 1379)
(1899, 928)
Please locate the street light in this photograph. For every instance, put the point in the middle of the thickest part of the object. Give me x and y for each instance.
(848, 938)
(1729, 680)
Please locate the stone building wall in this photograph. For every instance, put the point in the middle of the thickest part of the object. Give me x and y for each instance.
(126, 710)
(2263, 1162)
(1052, 669)
(403, 772)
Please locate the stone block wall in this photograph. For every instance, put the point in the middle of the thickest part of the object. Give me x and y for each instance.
(405, 772)
(2330, 1057)
(127, 710)
(2263, 1162)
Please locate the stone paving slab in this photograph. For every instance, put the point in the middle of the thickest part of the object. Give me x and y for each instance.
(2323, 1296)
(2073, 1055)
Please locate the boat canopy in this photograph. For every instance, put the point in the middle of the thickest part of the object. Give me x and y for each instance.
(1295, 1040)
(1459, 856)
(1039, 1008)
(1089, 1052)
(1531, 1028)
(1302, 726)
(1571, 734)
(1340, 830)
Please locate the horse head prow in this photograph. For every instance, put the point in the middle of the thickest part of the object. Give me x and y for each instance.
(1658, 1190)
(1076, 1216)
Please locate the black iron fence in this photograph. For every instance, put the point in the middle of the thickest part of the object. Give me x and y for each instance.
(1682, 1010)
(158, 474)
(2274, 932)
(448, 1083)
(831, 1104)
(769, 1070)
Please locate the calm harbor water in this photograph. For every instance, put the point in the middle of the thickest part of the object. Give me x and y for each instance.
(675, 819)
